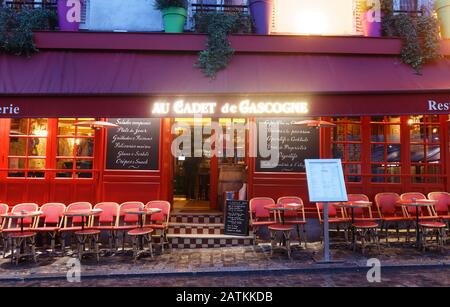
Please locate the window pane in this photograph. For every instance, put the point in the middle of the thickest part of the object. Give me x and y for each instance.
(16, 163)
(38, 126)
(85, 165)
(377, 119)
(66, 127)
(377, 133)
(416, 133)
(393, 133)
(85, 131)
(37, 147)
(17, 146)
(353, 132)
(18, 126)
(433, 134)
(354, 152)
(65, 147)
(433, 118)
(393, 153)
(64, 164)
(433, 154)
(417, 153)
(353, 169)
(338, 151)
(339, 133)
(377, 154)
(85, 147)
(34, 164)
(393, 119)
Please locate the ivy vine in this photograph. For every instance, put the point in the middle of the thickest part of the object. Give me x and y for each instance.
(218, 25)
(420, 36)
(16, 29)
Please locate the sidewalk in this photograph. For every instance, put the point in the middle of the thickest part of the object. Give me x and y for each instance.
(230, 259)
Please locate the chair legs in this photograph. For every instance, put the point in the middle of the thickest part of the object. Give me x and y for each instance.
(427, 235)
(136, 243)
(21, 247)
(283, 242)
(367, 235)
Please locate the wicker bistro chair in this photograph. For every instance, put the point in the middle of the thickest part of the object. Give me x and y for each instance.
(107, 221)
(442, 207)
(70, 225)
(22, 243)
(50, 221)
(4, 208)
(365, 226)
(339, 220)
(127, 222)
(259, 216)
(391, 214)
(160, 221)
(296, 218)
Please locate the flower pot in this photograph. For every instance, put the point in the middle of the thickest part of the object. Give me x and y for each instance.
(261, 11)
(371, 27)
(69, 14)
(174, 19)
(443, 12)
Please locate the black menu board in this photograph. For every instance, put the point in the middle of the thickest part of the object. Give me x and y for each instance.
(295, 143)
(236, 218)
(134, 145)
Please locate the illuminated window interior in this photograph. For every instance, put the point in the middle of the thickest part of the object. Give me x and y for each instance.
(314, 17)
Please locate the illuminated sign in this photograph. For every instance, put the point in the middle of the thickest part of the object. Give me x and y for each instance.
(244, 107)
(438, 106)
(9, 110)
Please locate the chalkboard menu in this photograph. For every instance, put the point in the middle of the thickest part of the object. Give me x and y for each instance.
(236, 218)
(295, 144)
(134, 145)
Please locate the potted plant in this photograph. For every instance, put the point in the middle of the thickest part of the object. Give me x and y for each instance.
(443, 12)
(174, 13)
(69, 14)
(261, 11)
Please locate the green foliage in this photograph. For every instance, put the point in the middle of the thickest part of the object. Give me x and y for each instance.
(218, 25)
(163, 4)
(420, 35)
(16, 29)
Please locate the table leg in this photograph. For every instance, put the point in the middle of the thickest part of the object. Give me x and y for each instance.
(353, 228)
(82, 222)
(417, 227)
(21, 224)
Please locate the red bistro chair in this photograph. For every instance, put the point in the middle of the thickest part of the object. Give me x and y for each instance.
(107, 221)
(259, 216)
(296, 218)
(391, 214)
(16, 238)
(366, 229)
(334, 218)
(126, 222)
(427, 221)
(71, 225)
(52, 217)
(160, 221)
(4, 208)
(442, 207)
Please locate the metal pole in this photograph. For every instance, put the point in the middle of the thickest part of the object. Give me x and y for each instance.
(326, 235)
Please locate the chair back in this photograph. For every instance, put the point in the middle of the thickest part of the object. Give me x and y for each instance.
(109, 214)
(442, 206)
(164, 215)
(77, 206)
(257, 210)
(332, 211)
(360, 212)
(52, 213)
(129, 218)
(387, 204)
(411, 210)
(4, 208)
(29, 221)
(298, 214)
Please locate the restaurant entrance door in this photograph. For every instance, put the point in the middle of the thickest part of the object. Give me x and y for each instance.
(202, 155)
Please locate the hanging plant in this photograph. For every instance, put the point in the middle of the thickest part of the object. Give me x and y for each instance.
(16, 29)
(420, 36)
(218, 25)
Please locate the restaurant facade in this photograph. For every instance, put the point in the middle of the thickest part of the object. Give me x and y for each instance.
(391, 133)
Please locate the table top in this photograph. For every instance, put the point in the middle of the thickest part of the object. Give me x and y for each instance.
(22, 214)
(355, 204)
(416, 203)
(83, 212)
(290, 206)
(145, 211)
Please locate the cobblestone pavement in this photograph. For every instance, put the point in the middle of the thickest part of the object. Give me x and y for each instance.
(405, 277)
(231, 259)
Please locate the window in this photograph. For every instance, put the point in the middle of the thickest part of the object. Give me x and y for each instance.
(347, 146)
(75, 149)
(27, 147)
(425, 150)
(385, 149)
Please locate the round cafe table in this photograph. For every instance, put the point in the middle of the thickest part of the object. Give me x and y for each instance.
(141, 212)
(83, 214)
(19, 239)
(352, 205)
(416, 203)
(282, 209)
